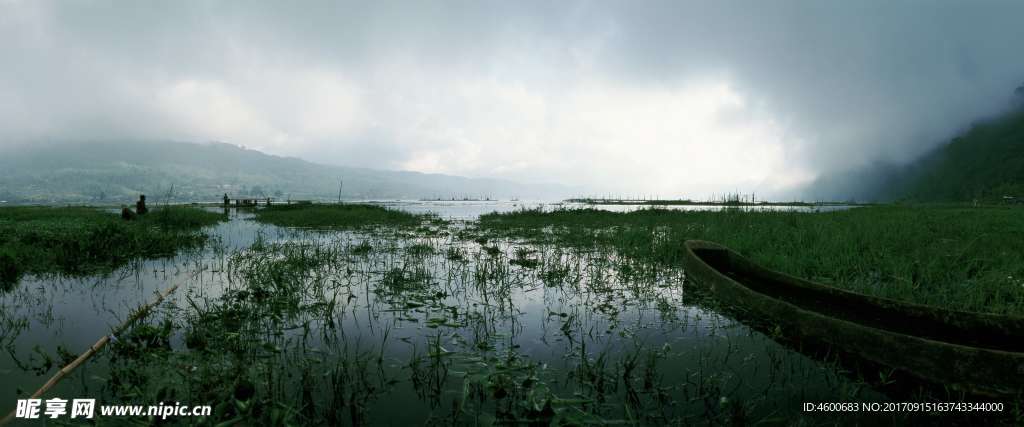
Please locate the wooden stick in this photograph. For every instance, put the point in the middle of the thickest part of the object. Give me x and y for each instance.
(65, 371)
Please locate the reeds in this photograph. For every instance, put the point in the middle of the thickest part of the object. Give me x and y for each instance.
(80, 241)
(397, 325)
(954, 257)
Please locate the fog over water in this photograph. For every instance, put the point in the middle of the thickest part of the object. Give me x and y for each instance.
(655, 98)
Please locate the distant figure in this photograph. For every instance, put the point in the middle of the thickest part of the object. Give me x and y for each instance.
(140, 206)
(127, 214)
(227, 201)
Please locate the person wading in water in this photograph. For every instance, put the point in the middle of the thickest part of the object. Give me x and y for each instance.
(140, 206)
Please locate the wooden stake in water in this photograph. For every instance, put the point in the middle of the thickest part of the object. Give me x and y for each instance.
(65, 371)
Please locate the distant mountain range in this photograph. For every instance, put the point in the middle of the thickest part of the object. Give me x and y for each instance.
(986, 163)
(118, 171)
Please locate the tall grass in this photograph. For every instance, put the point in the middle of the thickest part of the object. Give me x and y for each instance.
(79, 240)
(375, 326)
(956, 257)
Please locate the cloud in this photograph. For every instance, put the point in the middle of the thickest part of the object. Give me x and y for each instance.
(663, 98)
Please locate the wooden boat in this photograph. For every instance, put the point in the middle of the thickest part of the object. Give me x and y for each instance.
(972, 353)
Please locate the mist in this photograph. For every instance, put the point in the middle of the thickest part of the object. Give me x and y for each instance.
(659, 98)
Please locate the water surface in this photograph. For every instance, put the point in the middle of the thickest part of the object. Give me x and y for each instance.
(445, 311)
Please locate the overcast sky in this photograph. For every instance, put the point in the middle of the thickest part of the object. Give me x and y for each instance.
(663, 98)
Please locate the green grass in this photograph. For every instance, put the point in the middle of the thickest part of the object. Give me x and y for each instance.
(287, 343)
(726, 200)
(81, 240)
(335, 216)
(951, 256)
(343, 330)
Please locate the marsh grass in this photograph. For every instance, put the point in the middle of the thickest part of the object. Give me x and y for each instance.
(337, 216)
(341, 328)
(950, 256)
(446, 325)
(81, 241)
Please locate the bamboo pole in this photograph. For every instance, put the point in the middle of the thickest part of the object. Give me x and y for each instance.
(65, 371)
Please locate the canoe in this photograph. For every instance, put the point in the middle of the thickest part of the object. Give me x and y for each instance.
(975, 354)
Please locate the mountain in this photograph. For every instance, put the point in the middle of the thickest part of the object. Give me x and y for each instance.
(118, 171)
(985, 163)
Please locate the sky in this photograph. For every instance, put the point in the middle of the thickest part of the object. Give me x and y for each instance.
(668, 99)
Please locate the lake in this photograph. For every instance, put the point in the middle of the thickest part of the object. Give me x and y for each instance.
(387, 326)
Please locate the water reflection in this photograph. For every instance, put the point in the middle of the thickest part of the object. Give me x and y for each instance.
(439, 310)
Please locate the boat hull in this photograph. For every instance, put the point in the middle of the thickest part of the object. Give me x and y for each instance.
(972, 370)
